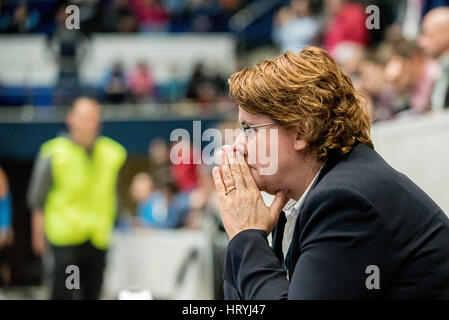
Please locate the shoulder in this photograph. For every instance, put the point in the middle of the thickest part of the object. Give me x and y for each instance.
(350, 190)
(364, 173)
(111, 146)
(53, 146)
(362, 191)
(341, 206)
(110, 143)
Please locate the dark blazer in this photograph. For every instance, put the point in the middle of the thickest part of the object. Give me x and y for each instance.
(361, 212)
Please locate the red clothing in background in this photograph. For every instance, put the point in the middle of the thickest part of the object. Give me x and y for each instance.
(141, 82)
(185, 173)
(347, 25)
(149, 12)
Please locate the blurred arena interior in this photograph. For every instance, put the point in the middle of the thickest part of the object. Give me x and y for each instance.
(159, 65)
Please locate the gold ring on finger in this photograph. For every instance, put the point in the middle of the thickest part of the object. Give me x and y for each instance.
(230, 190)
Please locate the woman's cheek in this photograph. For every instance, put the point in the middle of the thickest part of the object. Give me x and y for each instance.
(257, 178)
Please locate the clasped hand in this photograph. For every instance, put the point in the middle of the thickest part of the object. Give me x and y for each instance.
(241, 204)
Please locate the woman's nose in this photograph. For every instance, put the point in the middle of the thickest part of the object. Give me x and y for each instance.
(240, 144)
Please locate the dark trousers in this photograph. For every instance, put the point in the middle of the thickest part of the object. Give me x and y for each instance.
(90, 262)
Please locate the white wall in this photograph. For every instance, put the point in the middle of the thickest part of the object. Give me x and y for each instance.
(27, 58)
(419, 148)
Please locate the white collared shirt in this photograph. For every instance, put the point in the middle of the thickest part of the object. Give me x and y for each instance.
(291, 210)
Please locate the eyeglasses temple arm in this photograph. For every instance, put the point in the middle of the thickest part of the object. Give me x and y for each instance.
(262, 125)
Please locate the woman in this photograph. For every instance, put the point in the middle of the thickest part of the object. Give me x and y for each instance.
(353, 227)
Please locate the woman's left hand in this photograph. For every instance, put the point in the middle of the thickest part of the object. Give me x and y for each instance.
(241, 204)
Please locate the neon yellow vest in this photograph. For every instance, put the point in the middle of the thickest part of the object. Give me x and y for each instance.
(81, 204)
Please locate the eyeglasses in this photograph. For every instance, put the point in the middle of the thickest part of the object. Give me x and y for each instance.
(251, 130)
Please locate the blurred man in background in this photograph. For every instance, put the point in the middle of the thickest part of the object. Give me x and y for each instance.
(435, 42)
(73, 199)
(69, 48)
(412, 76)
(159, 162)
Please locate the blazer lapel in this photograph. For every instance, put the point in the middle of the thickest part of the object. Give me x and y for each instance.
(277, 235)
(294, 251)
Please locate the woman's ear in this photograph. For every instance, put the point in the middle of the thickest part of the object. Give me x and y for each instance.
(300, 143)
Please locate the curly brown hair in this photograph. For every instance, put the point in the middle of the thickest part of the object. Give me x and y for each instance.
(306, 89)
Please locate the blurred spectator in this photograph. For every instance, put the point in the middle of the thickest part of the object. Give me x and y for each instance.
(5, 209)
(412, 75)
(175, 6)
(69, 47)
(203, 14)
(118, 17)
(141, 83)
(73, 197)
(184, 167)
(205, 197)
(435, 42)
(114, 85)
(159, 207)
(296, 26)
(373, 86)
(205, 87)
(18, 19)
(345, 22)
(198, 77)
(398, 79)
(159, 157)
(142, 186)
(349, 55)
(6, 231)
(91, 12)
(151, 15)
(174, 87)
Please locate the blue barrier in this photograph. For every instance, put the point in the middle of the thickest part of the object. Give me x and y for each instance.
(21, 141)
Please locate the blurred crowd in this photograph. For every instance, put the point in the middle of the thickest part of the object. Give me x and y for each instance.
(120, 85)
(138, 85)
(177, 188)
(174, 194)
(126, 16)
(399, 66)
(395, 56)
